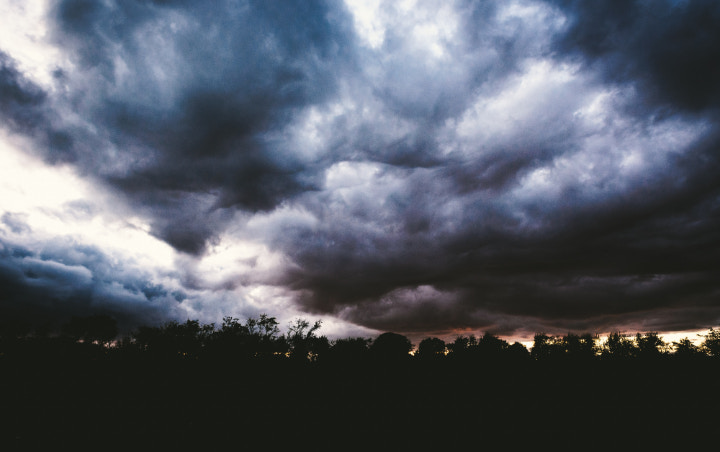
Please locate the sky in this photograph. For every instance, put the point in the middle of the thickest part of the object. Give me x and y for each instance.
(428, 168)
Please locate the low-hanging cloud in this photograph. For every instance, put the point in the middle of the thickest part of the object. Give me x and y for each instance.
(46, 288)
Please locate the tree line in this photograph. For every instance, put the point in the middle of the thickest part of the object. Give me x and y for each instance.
(189, 385)
(261, 339)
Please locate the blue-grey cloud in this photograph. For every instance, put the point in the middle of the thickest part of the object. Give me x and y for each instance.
(19, 97)
(188, 92)
(664, 47)
(24, 109)
(15, 222)
(49, 286)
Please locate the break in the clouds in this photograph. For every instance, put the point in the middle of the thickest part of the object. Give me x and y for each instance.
(414, 166)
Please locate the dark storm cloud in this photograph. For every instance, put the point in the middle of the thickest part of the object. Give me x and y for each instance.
(24, 110)
(666, 47)
(187, 93)
(19, 98)
(520, 167)
(593, 258)
(62, 280)
(639, 259)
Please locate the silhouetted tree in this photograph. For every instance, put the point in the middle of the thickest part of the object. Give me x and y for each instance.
(319, 348)
(255, 337)
(231, 340)
(175, 339)
(148, 338)
(391, 347)
(431, 348)
(711, 343)
(266, 327)
(580, 348)
(570, 348)
(546, 347)
(491, 347)
(267, 330)
(619, 346)
(349, 350)
(684, 348)
(232, 327)
(650, 345)
(518, 352)
(463, 347)
(303, 342)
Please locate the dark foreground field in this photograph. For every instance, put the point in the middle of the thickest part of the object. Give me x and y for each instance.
(89, 397)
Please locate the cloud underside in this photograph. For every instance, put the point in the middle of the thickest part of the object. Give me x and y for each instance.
(503, 166)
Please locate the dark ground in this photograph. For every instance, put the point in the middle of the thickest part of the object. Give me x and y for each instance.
(89, 398)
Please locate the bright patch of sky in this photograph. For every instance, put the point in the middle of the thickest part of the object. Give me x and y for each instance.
(25, 35)
(431, 28)
(366, 14)
(54, 202)
(540, 87)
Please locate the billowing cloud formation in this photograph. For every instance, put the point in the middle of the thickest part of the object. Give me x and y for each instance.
(39, 288)
(504, 166)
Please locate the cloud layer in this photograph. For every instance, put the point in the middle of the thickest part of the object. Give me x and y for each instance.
(501, 166)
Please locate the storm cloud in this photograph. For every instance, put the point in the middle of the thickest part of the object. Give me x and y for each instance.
(44, 289)
(510, 167)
